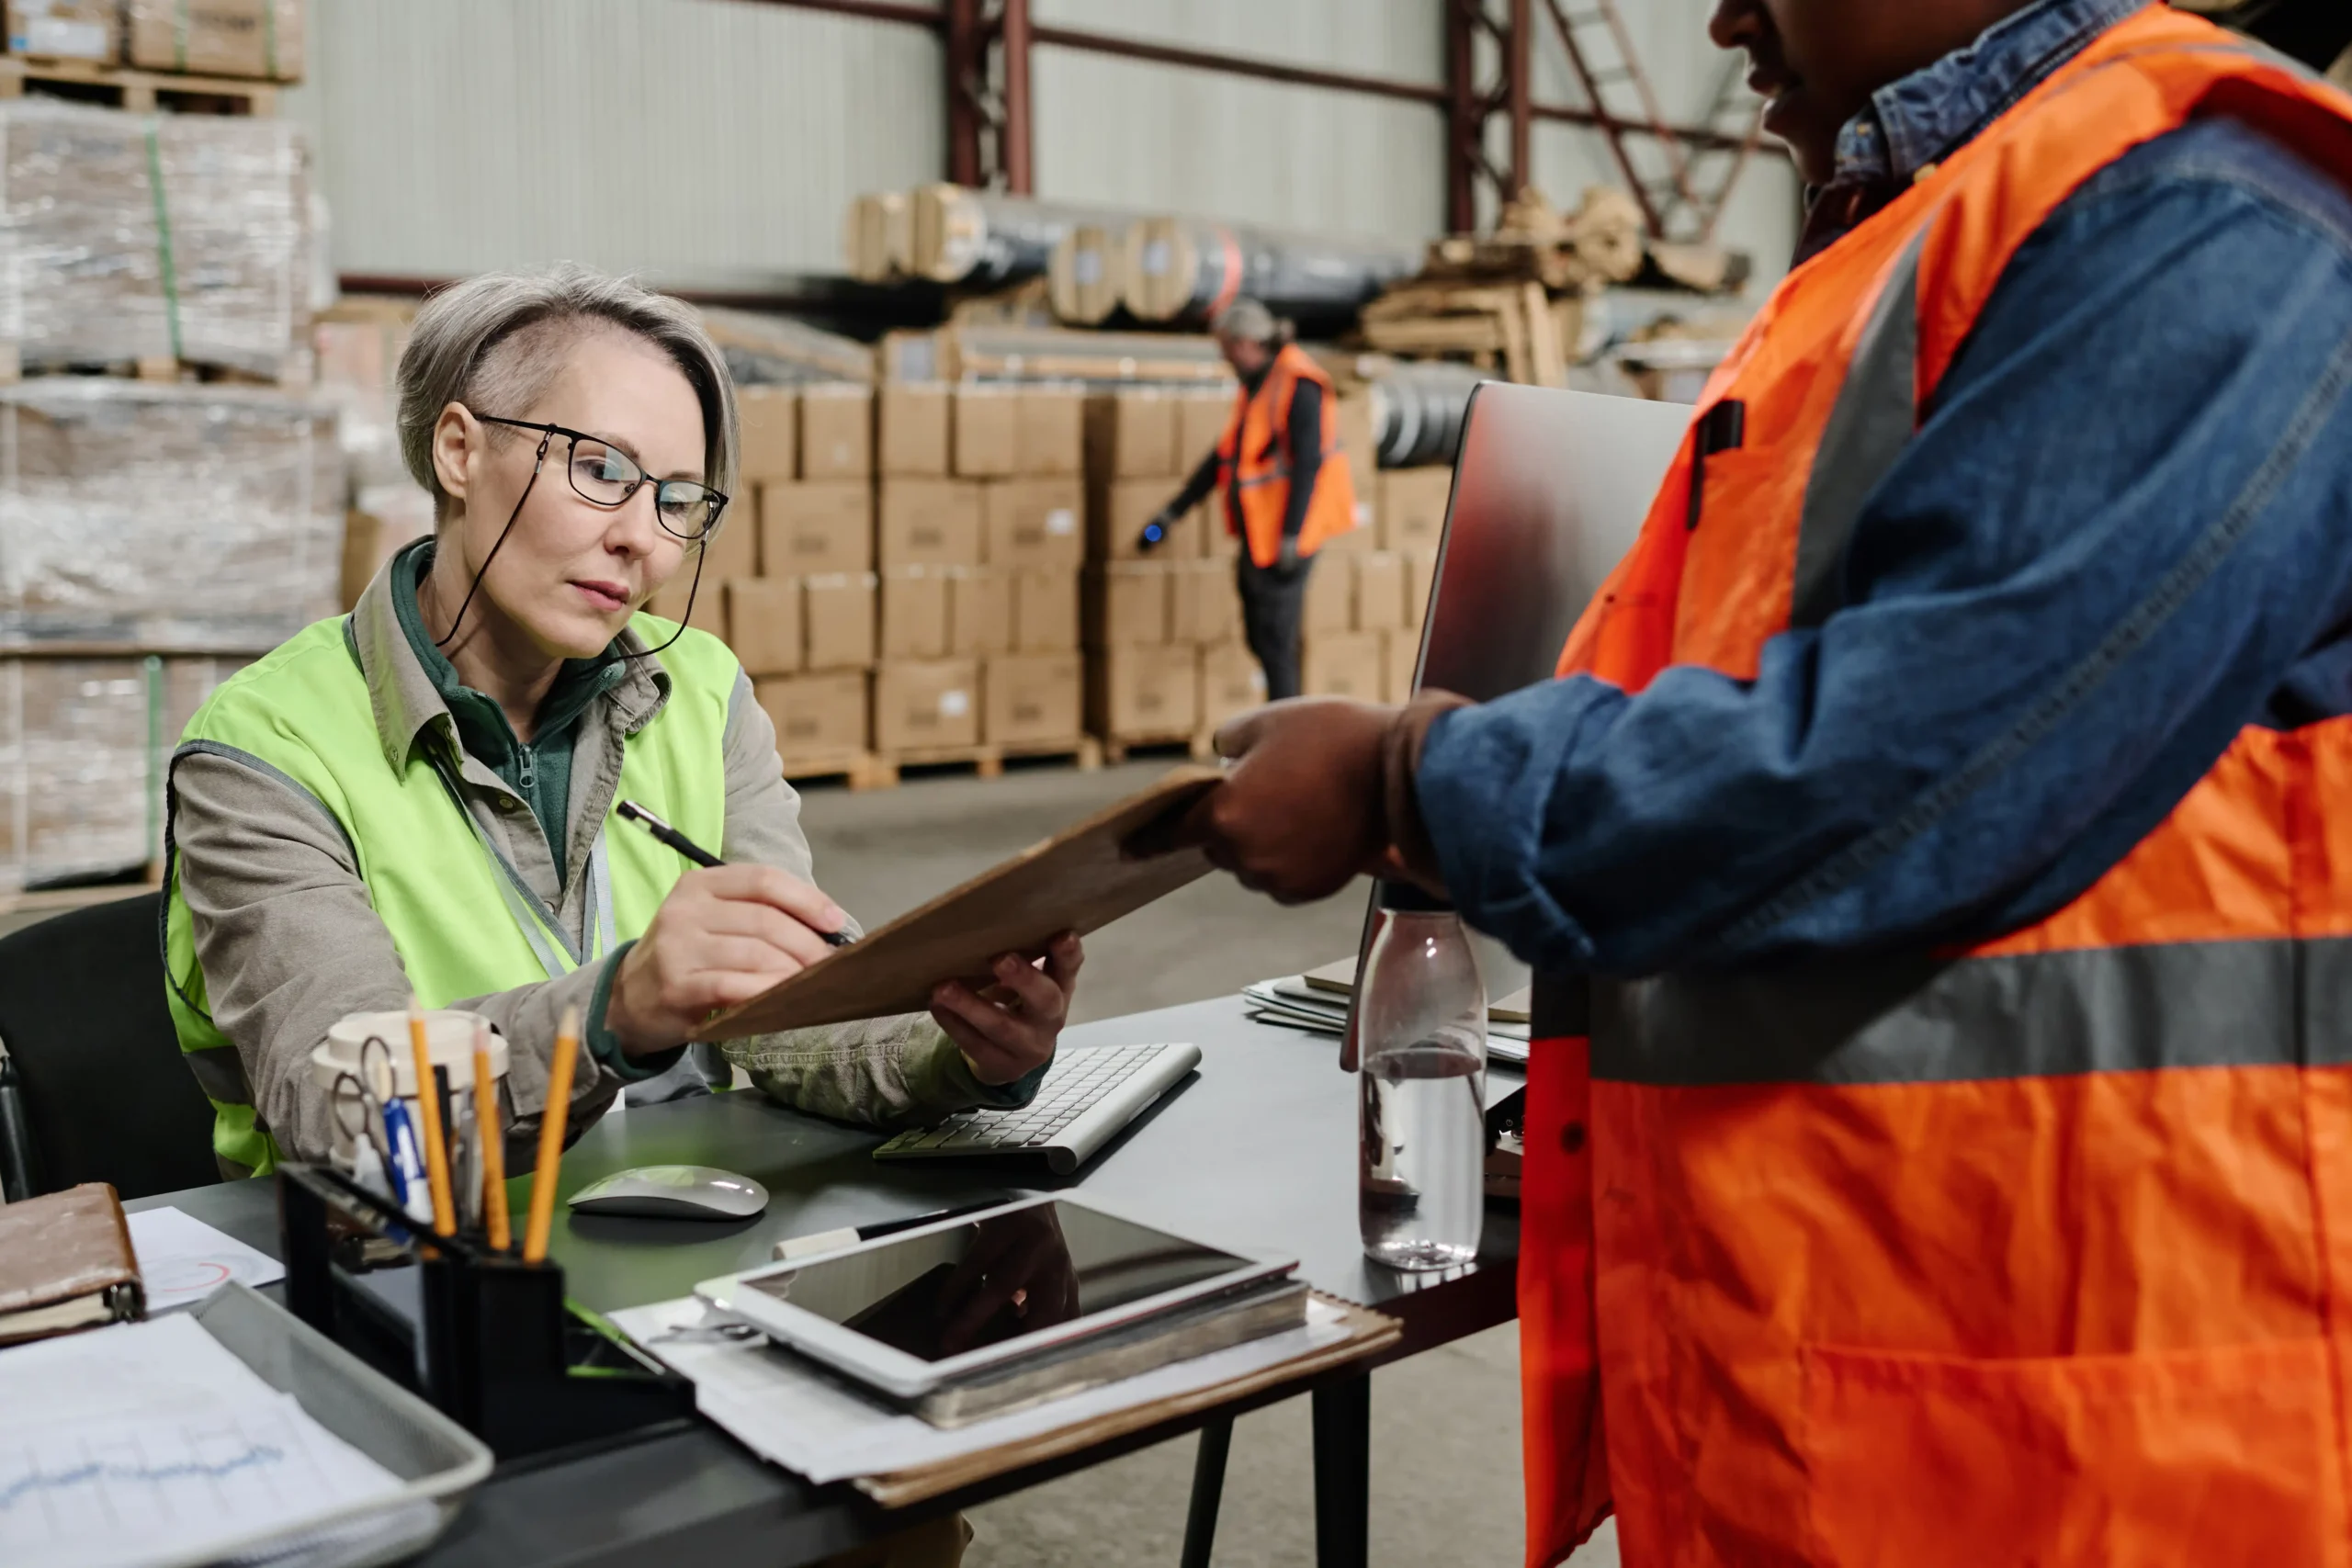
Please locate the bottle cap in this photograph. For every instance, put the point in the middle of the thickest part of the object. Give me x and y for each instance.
(1411, 898)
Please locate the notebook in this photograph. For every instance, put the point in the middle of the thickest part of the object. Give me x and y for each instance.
(66, 1264)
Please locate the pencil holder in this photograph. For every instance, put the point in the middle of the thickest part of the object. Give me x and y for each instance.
(484, 1335)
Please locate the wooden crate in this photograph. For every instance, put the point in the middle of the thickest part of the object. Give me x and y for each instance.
(141, 92)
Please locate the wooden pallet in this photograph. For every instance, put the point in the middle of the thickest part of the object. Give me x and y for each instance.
(57, 900)
(1200, 745)
(986, 761)
(294, 370)
(858, 770)
(1516, 327)
(141, 92)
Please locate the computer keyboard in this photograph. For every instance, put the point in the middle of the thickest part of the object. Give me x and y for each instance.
(1087, 1096)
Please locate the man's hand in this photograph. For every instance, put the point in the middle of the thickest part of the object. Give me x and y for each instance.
(1287, 559)
(723, 936)
(1155, 533)
(1303, 810)
(1011, 1028)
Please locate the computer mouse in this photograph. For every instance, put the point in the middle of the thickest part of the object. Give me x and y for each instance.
(674, 1192)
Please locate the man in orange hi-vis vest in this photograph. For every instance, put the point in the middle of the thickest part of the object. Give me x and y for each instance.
(1281, 478)
(1935, 850)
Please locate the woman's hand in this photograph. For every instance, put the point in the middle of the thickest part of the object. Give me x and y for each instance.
(1009, 1028)
(723, 936)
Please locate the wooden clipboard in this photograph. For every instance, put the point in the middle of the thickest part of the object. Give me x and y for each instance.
(1079, 879)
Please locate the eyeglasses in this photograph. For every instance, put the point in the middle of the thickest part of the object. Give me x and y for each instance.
(603, 475)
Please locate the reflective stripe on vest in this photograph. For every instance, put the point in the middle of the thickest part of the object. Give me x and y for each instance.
(2022, 1253)
(461, 919)
(1254, 463)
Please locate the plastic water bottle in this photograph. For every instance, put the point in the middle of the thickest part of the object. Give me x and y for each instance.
(1422, 1041)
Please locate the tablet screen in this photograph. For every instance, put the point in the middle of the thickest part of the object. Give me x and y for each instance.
(994, 1279)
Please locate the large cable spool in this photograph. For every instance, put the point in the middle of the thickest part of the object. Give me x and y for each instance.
(1087, 279)
(979, 240)
(1185, 270)
(875, 237)
(1417, 409)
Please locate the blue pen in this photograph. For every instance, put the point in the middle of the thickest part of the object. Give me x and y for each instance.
(407, 1163)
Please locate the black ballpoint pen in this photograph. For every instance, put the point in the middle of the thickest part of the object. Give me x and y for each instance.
(630, 811)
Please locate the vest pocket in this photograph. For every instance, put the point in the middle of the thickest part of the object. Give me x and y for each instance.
(2226, 1455)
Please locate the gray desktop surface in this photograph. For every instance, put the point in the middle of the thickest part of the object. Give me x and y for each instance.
(1257, 1151)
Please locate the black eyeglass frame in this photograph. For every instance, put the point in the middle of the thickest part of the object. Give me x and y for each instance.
(718, 498)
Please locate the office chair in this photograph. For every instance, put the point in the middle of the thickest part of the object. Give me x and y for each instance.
(98, 1073)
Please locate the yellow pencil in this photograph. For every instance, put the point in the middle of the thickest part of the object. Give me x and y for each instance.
(543, 1175)
(492, 1132)
(429, 1121)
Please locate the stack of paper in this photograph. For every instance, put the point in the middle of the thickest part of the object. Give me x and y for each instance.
(793, 1414)
(1310, 1001)
(151, 1443)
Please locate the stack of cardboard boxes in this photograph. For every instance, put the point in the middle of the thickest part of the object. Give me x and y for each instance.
(1366, 598)
(908, 585)
(1163, 628)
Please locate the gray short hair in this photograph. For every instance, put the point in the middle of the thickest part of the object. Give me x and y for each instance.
(1247, 321)
(493, 343)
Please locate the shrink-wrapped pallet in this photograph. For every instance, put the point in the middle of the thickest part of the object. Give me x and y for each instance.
(127, 236)
(172, 516)
(84, 744)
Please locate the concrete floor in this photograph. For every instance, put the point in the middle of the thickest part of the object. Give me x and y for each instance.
(1445, 1426)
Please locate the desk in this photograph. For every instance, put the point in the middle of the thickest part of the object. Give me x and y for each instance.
(1256, 1151)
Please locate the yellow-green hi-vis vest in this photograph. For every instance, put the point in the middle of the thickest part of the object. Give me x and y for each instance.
(463, 921)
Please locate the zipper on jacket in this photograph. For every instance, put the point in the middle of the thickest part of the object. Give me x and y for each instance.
(1723, 428)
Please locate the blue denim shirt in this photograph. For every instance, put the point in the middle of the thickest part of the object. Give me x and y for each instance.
(2122, 533)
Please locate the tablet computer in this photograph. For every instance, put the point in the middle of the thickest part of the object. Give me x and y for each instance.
(911, 1313)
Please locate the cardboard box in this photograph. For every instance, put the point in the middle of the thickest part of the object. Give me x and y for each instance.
(1380, 591)
(1331, 596)
(1201, 418)
(836, 432)
(763, 624)
(66, 29)
(1421, 581)
(730, 553)
(911, 429)
(1184, 602)
(1127, 601)
(920, 705)
(1144, 693)
(986, 432)
(1032, 523)
(1231, 683)
(927, 523)
(1033, 698)
(980, 611)
(1399, 651)
(1116, 511)
(818, 718)
(838, 611)
(1051, 438)
(914, 613)
(771, 449)
(1412, 507)
(1360, 440)
(1342, 664)
(217, 38)
(1130, 435)
(814, 526)
(1044, 610)
(1218, 607)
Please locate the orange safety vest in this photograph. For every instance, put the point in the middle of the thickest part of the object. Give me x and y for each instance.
(2021, 1254)
(1255, 452)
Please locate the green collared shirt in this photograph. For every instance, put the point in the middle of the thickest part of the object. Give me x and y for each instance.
(539, 769)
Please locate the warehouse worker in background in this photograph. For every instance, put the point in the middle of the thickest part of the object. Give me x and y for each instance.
(419, 796)
(1937, 852)
(1283, 479)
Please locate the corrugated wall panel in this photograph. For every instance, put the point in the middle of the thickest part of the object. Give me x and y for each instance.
(1150, 137)
(704, 143)
(1400, 38)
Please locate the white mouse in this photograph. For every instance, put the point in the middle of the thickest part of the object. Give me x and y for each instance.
(674, 1192)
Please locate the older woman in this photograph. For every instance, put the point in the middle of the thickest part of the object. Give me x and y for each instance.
(418, 795)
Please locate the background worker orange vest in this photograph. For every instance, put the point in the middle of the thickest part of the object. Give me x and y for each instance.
(1255, 452)
(2030, 1253)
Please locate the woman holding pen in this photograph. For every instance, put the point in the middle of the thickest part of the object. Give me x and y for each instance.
(420, 796)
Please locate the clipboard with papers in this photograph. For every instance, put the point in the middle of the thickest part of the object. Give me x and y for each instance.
(1318, 1000)
(1081, 879)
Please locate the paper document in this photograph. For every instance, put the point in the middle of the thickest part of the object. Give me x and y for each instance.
(151, 1443)
(791, 1415)
(182, 1260)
